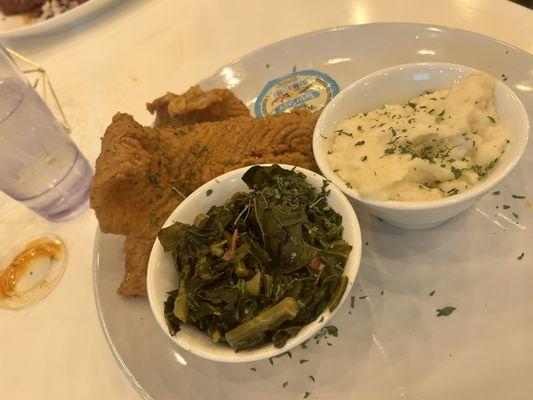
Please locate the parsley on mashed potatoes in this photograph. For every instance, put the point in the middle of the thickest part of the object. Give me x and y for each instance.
(434, 146)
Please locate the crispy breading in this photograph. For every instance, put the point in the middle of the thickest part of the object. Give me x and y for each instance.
(143, 173)
(137, 252)
(195, 106)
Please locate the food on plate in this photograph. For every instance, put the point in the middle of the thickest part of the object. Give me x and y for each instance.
(195, 106)
(433, 146)
(143, 173)
(10, 7)
(260, 266)
(38, 9)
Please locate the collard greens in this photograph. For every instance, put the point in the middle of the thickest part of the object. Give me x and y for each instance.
(261, 266)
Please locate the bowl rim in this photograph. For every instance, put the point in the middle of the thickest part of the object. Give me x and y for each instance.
(466, 196)
(350, 221)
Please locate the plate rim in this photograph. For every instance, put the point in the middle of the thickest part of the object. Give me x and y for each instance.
(441, 28)
(109, 340)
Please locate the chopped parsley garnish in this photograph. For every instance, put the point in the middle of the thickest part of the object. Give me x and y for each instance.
(303, 361)
(390, 150)
(504, 77)
(312, 378)
(364, 158)
(496, 193)
(432, 293)
(452, 192)
(209, 192)
(285, 384)
(515, 215)
(456, 172)
(444, 312)
(352, 302)
(360, 143)
(342, 132)
(515, 196)
(506, 206)
(154, 220)
(520, 256)
(267, 66)
(491, 119)
(363, 297)
(359, 128)
(153, 179)
(306, 395)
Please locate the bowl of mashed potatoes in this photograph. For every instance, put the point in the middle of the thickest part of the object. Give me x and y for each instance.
(418, 144)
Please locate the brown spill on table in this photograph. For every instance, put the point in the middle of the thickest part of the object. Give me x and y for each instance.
(44, 247)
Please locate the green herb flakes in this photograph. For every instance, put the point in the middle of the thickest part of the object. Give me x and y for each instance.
(342, 132)
(520, 256)
(153, 179)
(364, 158)
(432, 293)
(506, 206)
(303, 361)
(491, 119)
(312, 378)
(306, 395)
(516, 196)
(285, 384)
(332, 330)
(154, 220)
(496, 193)
(360, 143)
(209, 192)
(253, 369)
(444, 312)
(352, 302)
(456, 172)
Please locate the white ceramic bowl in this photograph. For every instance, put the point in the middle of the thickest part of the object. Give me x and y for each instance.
(395, 85)
(162, 276)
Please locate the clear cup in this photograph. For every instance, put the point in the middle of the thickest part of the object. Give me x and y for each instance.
(40, 166)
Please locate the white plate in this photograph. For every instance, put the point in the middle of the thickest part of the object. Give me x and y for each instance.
(392, 344)
(14, 26)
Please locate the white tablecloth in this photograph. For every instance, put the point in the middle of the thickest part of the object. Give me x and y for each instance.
(127, 55)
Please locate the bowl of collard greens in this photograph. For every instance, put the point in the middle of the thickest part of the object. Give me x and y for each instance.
(254, 263)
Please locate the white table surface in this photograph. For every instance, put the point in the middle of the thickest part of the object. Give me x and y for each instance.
(127, 55)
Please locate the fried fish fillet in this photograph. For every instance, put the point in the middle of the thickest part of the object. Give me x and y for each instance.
(194, 106)
(143, 173)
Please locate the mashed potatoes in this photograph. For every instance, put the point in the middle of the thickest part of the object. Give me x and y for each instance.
(435, 145)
